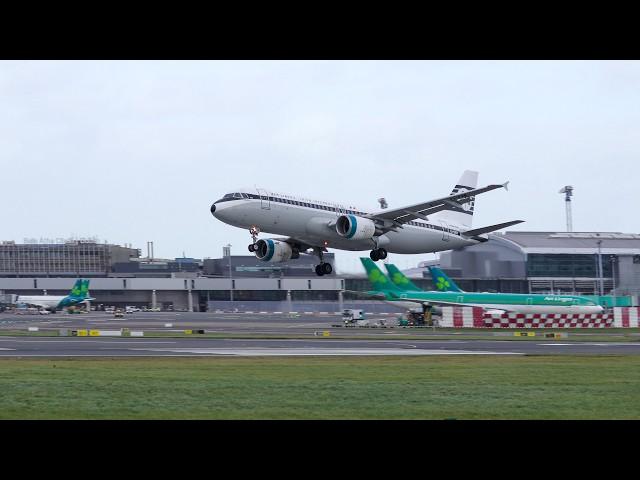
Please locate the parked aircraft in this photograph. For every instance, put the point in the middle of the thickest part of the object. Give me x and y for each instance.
(385, 289)
(399, 279)
(78, 294)
(431, 226)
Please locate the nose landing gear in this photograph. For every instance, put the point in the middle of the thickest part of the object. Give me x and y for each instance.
(254, 231)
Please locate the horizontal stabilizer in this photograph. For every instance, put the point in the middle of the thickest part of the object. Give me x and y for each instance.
(490, 228)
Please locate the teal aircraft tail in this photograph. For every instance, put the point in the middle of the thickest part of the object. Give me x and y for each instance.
(379, 280)
(442, 282)
(80, 289)
(400, 280)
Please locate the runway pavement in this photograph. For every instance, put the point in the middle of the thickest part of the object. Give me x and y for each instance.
(127, 346)
(303, 325)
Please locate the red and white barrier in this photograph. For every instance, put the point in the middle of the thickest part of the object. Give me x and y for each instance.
(465, 317)
(462, 317)
(626, 317)
(566, 320)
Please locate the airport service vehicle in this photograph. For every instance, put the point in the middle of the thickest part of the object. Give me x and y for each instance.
(435, 225)
(351, 315)
(130, 309)
(78, 294)
(385, 289)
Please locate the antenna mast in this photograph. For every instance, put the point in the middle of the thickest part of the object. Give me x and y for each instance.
(568, 193)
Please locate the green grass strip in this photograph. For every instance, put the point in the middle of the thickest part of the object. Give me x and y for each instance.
(435, 387)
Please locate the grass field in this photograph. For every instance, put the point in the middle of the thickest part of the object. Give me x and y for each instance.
(461, 387)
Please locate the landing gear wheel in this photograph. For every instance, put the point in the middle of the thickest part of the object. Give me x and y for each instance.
(382, 253)
(374, 255)
(326, 268)
(252, 247)
(319, 270)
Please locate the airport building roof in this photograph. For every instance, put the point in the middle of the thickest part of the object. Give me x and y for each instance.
(571, 242)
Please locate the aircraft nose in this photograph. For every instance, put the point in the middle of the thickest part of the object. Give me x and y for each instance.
(213, 209)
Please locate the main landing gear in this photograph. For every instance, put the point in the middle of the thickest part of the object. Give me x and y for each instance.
(378, 254)
(254, 231)
(323, 268)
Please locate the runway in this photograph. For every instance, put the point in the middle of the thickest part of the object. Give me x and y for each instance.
(159, 347)
(376, 341)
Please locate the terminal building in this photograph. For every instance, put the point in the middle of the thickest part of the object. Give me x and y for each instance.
(516, 262)
(70, 258)
(120, 277)
(546, 262)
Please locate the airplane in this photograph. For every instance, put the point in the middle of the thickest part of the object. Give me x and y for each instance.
(399, 279)
(440, 279)
(385, 289)
(442, 282)
(78, 294)
(431, 226)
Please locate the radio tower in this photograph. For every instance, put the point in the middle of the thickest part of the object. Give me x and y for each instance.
(568, 193)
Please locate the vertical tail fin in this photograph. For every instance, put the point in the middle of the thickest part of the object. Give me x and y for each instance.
(442, 282)
(399, 279)
(378, 280)
(80, 289)
(84, 290)
(462, 215)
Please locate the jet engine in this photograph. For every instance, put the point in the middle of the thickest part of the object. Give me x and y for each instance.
(274, 251)
(355, 228)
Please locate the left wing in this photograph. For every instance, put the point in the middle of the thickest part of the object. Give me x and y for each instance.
(444, 303)
(396, 217)
(376, 295)
(299, 244)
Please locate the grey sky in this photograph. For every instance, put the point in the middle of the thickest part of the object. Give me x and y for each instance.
(131, 151)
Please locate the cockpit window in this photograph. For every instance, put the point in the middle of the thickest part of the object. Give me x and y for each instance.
(232, 195)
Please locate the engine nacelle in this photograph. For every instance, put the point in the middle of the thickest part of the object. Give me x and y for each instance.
(355, 228)
(274, 251)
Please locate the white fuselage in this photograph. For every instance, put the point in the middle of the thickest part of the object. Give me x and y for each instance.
(44, 301)
(542, 309)
(315, 225)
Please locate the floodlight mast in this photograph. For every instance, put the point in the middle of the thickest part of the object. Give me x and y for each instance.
(568, 193)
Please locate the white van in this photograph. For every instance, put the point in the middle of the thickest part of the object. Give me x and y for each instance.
(130, 309)
(351, 315)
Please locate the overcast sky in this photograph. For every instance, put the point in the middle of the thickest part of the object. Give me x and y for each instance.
(136, 151)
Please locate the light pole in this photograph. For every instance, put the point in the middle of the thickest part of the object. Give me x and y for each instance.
(568, 192)
(600, 268)
(228, 252)
(612, 258)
